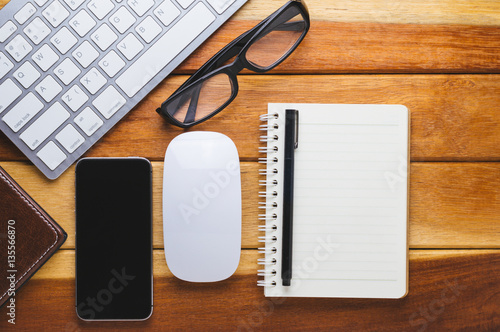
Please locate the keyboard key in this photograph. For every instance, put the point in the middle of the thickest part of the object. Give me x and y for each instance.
(5, 65)
(41, 2)
(111, 64)
(63, 40)
(25, 13)
(7, 30)
(55, 13)
(109, 102)
(27, 74)
(70, 138)
(74, 4)
(185, 3)
(166, 48)
(88, 121)
(82, 23)
(93, 80)
(167, 12)
(9, 92)
(45, 57)
(67, 71)
(148, 29)
(220, 6)
(22, 112)
(85, 54)
(51, 155)
(130, 46)
(100, 8)
(44, 126)
(122, 19)
(37, 30)
(104, 37)
(18, 48)
(48, 88)
(75, 98)
(140, 7)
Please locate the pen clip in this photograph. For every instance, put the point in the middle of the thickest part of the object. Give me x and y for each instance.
(296, 138)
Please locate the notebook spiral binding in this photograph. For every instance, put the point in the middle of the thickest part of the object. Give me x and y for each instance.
(269, 203)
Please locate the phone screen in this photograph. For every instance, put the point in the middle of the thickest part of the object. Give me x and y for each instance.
(114, 239)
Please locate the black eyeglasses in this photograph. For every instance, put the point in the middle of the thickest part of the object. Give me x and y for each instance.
(214, 86)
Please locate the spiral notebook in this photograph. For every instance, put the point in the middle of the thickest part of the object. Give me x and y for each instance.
(350, 201)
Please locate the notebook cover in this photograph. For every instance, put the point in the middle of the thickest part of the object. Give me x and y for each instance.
(28, 237)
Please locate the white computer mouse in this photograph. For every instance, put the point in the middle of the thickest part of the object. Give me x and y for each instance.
(202, 207)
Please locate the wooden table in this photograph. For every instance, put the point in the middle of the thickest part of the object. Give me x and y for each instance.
(439, 58)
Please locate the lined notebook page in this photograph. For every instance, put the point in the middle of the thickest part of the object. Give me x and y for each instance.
(350, 201)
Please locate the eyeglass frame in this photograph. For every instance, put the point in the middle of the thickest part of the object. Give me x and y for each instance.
(238, 47)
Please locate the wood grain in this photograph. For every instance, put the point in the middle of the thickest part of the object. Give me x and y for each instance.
(366, 42)
(449, 290)
(449, 200)
(337, 47)
(451, 12)
(478, 12)
(452, 205)
(454, 117)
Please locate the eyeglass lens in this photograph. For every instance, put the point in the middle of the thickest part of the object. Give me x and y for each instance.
(201, 99)
(275, 43)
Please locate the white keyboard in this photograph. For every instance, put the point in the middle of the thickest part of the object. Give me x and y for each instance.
(71, 69)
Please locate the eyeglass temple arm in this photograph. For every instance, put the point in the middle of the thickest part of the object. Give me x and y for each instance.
(193, 104)
(284, 23)
(229, 51)
(291, 26)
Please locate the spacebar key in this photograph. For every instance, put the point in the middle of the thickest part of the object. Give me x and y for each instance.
(165, 49)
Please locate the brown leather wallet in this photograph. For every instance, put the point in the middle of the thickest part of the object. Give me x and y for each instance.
(28, 237)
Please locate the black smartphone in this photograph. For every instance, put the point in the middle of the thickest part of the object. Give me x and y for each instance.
(114, 274)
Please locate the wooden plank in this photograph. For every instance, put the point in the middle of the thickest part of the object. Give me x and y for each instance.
(377, 38)
(449, 290)
(336, 47)
(454, 117)
(452, 199)
(474, 12)
(477, 12)
(452, 205)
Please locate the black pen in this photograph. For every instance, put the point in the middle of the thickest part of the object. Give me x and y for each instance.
(291, 143)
